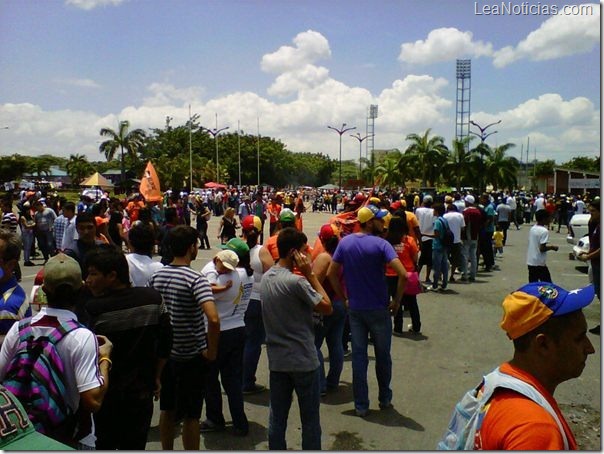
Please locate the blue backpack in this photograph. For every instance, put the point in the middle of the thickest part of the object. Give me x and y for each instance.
(448, 238)
(469, 412)
(36, 376)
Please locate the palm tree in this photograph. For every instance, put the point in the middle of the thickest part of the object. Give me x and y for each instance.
(429, 153)
(130, 141)
(78, 168)
(501, 170)
(459, 161)
(387, 173)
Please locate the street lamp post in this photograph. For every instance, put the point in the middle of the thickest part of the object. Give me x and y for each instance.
(341, 131)
(360, 139)
(483, 136)
(215, 131)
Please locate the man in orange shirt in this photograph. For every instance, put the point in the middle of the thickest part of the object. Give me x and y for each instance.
(549, 331)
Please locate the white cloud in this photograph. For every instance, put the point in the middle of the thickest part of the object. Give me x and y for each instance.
(309, 76)
(310, 46)
(163, 94)
(91, 4)
(559, 36)
(82, 83)
(444, 44)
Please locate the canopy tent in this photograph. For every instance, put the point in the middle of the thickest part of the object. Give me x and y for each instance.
(213, 185)
(328, 186)
(97, 180)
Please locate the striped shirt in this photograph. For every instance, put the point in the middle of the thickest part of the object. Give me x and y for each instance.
(60, 225)
(10, 222)
(184, 291)
(14, 305)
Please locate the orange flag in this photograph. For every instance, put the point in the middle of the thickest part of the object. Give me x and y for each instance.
(149, 187)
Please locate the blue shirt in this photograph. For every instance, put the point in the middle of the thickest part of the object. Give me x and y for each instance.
(13, 304)
(364, 258)
(439, 226)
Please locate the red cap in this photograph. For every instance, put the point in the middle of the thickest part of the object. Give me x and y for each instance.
(326, 232)
(251, 222)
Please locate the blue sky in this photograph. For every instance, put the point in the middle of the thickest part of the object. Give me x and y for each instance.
(71, 67)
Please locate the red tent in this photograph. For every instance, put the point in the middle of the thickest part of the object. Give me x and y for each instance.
(213, 185)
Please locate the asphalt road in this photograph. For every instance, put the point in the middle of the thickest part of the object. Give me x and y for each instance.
(461, 341)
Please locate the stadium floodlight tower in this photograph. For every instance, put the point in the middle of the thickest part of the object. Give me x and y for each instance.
(463, 96)
(372, 114)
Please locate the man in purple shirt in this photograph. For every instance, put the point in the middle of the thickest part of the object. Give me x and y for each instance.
(363, 257)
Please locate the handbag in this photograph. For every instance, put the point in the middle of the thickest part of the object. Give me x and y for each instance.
(413, 286)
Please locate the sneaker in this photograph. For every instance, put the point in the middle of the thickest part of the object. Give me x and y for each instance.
(29, 263)
(209, 426)
(385, 405)
(254, 389)
(411, 330)
(361, 413)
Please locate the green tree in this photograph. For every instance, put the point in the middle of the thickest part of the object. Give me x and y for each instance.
(78, 168)
(388, 171)
(501, 170)
(13, 167)
(544, 168)
(429, 153)
(459, 163)
(583, 163)
(129, 141)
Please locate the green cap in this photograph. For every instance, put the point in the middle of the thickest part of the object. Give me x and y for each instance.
(18, 432)
(287, 215)
(238, 246)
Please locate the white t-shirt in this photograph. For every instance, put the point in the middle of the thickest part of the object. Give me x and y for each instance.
(256, 265)
(142, 267)
(78, 350)
(537, 235)
(539, 203)
(511, 201)
(580, 207)
(503, 212)
(228, 301)
(456, 223)
(426, 218)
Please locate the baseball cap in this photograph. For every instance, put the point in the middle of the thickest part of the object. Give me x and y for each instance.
(228, 258)
(62, 270)
(369, 212)
(469, 199)
(533, 304)
(238, 246)
(251, 222)
(395, 205)
(287, 215)
(327, 232)
(19, 432)
(374, 200)
(427, 198)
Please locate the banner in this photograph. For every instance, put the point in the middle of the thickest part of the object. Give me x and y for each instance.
(149, 187)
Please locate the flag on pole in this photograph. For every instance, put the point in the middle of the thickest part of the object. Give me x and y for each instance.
(149, 187)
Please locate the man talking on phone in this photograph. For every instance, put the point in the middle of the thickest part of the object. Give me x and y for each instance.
(288, 302)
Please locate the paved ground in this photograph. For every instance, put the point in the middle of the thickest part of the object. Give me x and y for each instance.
(461, 341)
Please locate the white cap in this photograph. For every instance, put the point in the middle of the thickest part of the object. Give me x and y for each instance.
(470, 199)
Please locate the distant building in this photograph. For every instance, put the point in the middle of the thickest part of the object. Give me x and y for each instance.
(569, 181)
(56, 175)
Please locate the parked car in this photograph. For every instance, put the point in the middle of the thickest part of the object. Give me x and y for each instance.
(577, 228)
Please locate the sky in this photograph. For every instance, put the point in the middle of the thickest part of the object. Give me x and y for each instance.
(290, 68)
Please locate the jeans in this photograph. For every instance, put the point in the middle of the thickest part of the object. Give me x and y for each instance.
(27, 236)
(46, 242)
(379, 324)
(254, 337)
(485, 247)
(228, 364)
(440, 266)
(468, 251)
(331, 332)
(306, 385)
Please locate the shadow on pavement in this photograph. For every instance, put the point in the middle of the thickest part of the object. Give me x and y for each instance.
(339, 396)
(226, 440)
(390, 418)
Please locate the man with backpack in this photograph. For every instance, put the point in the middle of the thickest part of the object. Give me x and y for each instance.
(514, 407)
(52, 363)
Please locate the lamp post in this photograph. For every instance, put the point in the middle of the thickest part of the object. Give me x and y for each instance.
(341, 131)
(215, 131)
(360, 139)
(483, 136)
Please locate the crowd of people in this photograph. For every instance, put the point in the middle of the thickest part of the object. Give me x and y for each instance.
(140, 329)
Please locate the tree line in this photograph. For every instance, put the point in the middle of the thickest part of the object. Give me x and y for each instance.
(173, 148)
